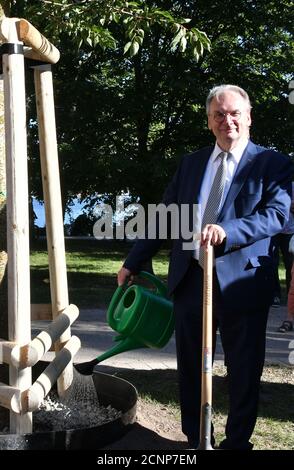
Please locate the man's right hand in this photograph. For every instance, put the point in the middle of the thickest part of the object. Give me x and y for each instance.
(123, 276)
(212, 234)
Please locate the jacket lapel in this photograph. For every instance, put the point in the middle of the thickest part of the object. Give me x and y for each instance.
(197, 174)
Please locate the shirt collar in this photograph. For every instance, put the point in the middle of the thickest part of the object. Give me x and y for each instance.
(236, 153)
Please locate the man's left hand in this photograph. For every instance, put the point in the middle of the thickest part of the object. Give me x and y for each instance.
(212, 234)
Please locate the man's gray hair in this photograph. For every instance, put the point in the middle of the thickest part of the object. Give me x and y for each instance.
(220, 89)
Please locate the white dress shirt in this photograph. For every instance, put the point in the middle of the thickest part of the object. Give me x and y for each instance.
(211, 169)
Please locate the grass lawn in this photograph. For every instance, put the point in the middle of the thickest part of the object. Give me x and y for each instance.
(92, 268)
(275, 425)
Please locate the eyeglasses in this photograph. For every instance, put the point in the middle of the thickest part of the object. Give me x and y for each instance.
(220, 117)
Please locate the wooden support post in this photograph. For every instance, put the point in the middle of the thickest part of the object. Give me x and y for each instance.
(32, 398)
(5, 350)
(10, 397)
(17, 218)
(41, 48)
(53, 205)
(24, 402)
(30, 354)
(33, 38)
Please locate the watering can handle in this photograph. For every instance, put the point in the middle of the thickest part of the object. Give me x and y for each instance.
(160, 286)
(111, 318)
(112, 321)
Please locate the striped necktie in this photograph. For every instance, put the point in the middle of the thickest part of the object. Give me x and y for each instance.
(215, 197)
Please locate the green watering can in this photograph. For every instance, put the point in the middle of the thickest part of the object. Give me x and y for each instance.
(143, 318)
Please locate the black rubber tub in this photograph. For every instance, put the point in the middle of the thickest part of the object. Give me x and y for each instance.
(111, 390)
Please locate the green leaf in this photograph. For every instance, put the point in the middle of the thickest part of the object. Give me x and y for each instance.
(200, 48)
(141, 32)
(127, 20)
(183, 44)
(195, 53)
(116, 17)
(177, 39)
(131, 32)
(175, 28)
(89, 41)
(127, 46)
(203, 37)
(139, 39)
(134, 48)
(165, 14)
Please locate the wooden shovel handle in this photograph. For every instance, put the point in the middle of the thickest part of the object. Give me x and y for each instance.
(206, 377)
(30, 36)
(207, 326)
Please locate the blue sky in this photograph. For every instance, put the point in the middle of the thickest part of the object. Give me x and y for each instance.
(40, 212)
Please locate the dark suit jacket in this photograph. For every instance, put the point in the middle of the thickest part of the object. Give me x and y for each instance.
(255, 209)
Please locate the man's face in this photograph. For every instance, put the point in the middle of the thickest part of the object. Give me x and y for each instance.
(229, 129)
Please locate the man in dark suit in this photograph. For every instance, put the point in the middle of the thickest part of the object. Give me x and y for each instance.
(254, 203)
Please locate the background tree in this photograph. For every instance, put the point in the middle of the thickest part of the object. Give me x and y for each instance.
(82, 225)
(94, 36)
(125, 119)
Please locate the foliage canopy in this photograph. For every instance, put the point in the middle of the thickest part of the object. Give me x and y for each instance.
(131, 83)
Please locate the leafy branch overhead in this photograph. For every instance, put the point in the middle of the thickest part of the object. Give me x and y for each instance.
(122, 123)
(92, 23)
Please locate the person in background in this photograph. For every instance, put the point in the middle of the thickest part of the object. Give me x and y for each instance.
(287, 324)
(243, 191)
(281, 244)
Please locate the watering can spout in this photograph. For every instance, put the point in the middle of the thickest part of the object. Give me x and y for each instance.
(124, 343)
